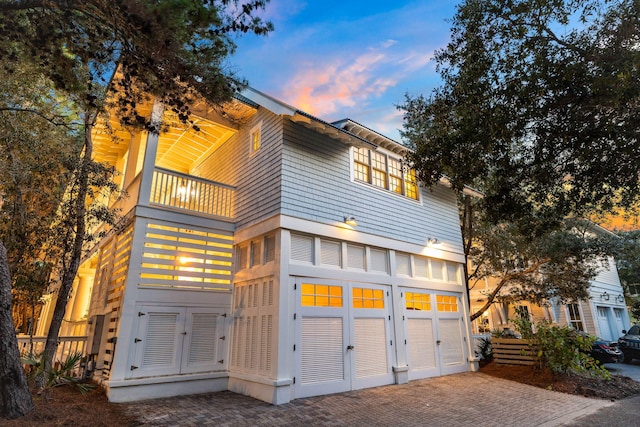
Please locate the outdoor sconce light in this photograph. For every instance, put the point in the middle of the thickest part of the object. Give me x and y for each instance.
(350, 220)
(433, 241)
(605, 296)
(620, 298)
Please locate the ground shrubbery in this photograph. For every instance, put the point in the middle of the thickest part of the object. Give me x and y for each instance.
(560, 349)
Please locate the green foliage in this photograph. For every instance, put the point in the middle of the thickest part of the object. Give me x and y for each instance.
(628, 260)
(532, 261)
(634, 310)
(562, 349)
(485, 349)
(171, 49)
(62, 373)
(498, 333)
(536, 108)
(523, 323)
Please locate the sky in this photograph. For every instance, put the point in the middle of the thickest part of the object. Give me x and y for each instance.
(347, 59)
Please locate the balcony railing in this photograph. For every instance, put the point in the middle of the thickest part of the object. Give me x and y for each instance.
(191, 193)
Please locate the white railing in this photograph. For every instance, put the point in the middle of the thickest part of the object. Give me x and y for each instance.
(66, 346)
(195, 194)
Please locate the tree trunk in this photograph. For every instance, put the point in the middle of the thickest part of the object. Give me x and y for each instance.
(70, 269)
(15, 396)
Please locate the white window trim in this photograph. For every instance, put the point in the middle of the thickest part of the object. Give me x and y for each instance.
(570, 321)
(375, 187)
(257, 127)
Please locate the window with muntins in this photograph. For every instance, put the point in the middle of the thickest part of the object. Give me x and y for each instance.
(368, 298)
(319, 295)
(255, 138)
(447, 303)
(382, 171)
(575, 319)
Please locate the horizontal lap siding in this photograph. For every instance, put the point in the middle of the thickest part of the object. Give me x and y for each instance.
(317, 186)
(607, 279)
(256, 177)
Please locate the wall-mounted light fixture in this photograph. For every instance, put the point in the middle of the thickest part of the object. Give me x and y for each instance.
(433, 241)
(605, 296)
(620, 298)
(350, 220)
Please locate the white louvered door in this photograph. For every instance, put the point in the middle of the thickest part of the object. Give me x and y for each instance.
(158, 342)
(371, 335)
(434, 331)
(321, 338)
(177, 340)
(202, 350)
(421, 348)
(343, 337)
(450, 330)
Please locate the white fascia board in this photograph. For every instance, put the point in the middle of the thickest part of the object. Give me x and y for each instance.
(268, 102)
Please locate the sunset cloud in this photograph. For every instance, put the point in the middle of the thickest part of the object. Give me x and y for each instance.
(330, 85)
(337, 59)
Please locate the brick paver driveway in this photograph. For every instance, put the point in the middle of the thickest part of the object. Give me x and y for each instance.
(469, 399)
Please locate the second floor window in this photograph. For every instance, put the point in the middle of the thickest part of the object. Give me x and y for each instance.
(255, 138)
(385, 172)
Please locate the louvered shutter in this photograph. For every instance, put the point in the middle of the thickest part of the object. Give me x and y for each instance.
(379, 260)
(322, 358)
(201, 344)
(158, 342)
(451, 341)
(421, 344)
(355, 257)
(302, 248)
(330, 253)
(370, 347)
(403, 264)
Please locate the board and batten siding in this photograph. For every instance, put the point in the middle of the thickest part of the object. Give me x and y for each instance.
(317, 185)
(256, 176)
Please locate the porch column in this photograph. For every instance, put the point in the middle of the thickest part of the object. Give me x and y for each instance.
(150, 154)
(82, 295)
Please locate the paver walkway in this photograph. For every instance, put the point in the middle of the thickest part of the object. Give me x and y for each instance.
(469, 399)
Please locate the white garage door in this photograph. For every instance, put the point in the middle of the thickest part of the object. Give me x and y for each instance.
(435, 333)
(605, 323)
(343, 337)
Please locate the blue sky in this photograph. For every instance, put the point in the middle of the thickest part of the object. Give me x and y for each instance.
(347, 59)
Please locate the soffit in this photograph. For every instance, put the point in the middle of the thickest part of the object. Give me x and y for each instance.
(181, 147)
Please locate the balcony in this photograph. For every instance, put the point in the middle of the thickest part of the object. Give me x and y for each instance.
(184, 192)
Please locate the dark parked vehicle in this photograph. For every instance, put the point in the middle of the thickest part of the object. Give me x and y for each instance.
(630, 343)
(606, 351)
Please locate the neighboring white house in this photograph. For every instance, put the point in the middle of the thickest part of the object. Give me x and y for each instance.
(604, 314)
(272, 254)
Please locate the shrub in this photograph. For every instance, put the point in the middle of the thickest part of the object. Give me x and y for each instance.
(562, 349)
(485, 351)
(61, 373)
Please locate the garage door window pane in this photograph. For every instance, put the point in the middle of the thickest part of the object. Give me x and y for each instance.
(448, 303)
(321, 295)
(368, 298)
(415, 301)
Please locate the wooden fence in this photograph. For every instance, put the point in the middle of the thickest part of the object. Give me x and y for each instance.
(513, 351)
